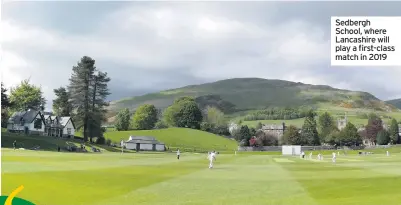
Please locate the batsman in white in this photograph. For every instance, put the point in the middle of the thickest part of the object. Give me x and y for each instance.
(211, 157)
(334, 157)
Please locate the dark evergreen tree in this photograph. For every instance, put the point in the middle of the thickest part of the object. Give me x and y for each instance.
(61, 105)
(87, 94)
(383, 137)
(5, 102)
(393, 131)
(309, 134)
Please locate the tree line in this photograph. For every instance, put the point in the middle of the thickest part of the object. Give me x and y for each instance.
(321, 132)
(84, 99)
(184, 112)
(277, 114)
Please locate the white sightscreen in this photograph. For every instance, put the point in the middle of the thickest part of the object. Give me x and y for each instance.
(296, 149)
(287, 150)
(291, 149)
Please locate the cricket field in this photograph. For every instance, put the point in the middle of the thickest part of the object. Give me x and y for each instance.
(51, 178)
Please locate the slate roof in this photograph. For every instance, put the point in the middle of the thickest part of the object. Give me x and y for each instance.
(28, 116)
(143, 140)
(64, 120)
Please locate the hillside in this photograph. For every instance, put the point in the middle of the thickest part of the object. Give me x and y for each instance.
(46, 143)
(241, 94)
(182, 138)
(395, 102)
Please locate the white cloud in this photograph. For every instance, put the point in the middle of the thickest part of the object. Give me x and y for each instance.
(140, 45)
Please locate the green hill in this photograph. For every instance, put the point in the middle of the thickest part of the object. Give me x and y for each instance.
(182, 138)
(395, 102)
(242, 94)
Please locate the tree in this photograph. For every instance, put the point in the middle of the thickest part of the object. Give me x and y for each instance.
(123, 120)
(252, 142)
(393, 132)
(5, 105)
(26, 95)
(383, 137)
(243, 134)
(184, 112)
(87, 94)
(309, 134)
(160, 125)
(99, 91)
(5, 102)
(259, 126)
(374, 126)
(292, 136)
(214, 116)
(145, 117)
(333, 138)
(61, 106)
(349, 136)
(326, 125)
(265, 139)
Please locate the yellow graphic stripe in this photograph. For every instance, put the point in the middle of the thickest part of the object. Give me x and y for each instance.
(12, 195)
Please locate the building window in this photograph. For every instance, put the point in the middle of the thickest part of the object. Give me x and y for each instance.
(68, 131)
(37, 124)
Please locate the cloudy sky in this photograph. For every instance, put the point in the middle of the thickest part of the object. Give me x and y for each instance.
(151, 46)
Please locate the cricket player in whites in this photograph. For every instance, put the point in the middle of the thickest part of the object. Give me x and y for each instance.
(211, 158)
(387, 153)
(178, 154)
(334, 157)
(122, 146)
(310, 155)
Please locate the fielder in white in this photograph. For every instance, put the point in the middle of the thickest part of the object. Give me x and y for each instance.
(319, 156)
(310, 155)
(178, 154)
(388, 153)
(334, 157)
(122, 146)
(211, 157)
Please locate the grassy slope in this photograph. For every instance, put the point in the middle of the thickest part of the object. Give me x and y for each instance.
(183, 138)
(395, 102)
(114, 179)
(46, 143)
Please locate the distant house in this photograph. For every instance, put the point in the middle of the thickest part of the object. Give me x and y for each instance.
(144, 143)
(276, 130)
(342, 122)
(29, 122)
(34, 122)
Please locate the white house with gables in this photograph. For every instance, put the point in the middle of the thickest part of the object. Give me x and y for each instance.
(28, 122)
(33, 122)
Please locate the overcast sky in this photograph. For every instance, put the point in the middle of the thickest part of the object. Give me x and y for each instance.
(151, 46)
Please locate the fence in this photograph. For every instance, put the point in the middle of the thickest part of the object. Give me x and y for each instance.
(279, 148)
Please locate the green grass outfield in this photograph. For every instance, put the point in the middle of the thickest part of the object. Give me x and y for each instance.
(115, 179)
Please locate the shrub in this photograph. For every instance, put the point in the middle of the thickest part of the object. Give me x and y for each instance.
(101, 140)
